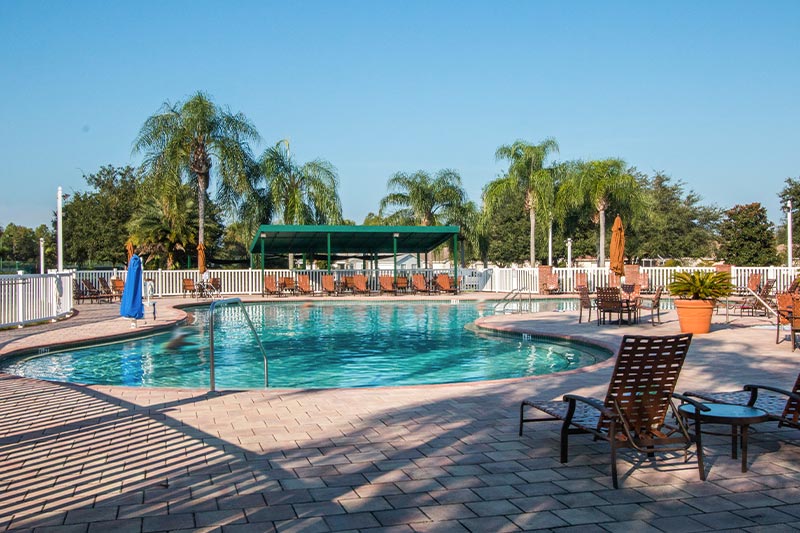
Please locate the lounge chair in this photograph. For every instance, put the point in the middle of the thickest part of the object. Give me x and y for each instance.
(401, 284)
(117, 286)
(304, 284)
(634, 411)
(551, 284)
(329, 285)
(189, 287)
(270, 287)
(105, 288)
(420, 284)
(585, 303)
(288, 285)
(609, 302)
(581, 280)
(781, 405)
(79, 291)
(443, 284)
(614, 280)
(360, 285)
(387, 284)
(348, 285)
(93, 293)
(754, 304)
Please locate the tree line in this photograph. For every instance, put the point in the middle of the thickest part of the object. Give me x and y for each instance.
(165, 210)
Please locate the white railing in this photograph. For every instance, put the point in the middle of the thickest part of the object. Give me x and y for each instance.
(30, 298)
(26, 299)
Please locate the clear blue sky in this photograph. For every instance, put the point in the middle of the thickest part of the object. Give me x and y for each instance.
(704, 91)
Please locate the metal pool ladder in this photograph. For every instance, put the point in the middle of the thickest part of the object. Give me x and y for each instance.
(514, 296)
(211, 309)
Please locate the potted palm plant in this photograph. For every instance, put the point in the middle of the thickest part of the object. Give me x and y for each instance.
(697, 293)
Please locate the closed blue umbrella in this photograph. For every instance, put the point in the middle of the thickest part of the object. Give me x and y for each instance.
(132, 306)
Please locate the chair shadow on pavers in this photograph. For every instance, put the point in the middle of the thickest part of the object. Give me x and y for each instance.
(634, 412)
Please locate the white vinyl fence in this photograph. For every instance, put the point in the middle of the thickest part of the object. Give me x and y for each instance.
(25, 299)
(30, 298)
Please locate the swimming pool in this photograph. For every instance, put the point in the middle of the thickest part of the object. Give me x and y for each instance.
(318, 345)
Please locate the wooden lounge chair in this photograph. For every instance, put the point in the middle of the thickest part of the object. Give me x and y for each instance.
(585, 303)
(270, 287)
(419, 284)
(442, 282)
(634, 411)
(781, 405)
(387, 284)
(189, 287)
(329, 285)
(304, 284)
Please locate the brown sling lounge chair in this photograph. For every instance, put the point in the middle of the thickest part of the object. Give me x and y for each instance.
(781, 405)
(304, 284)
(329, 285)
(419, 284)
(360, 284)
(443, 284)
(270, 287)
(634, 411)
(188, 287)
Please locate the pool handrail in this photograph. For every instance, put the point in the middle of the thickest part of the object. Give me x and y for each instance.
(512, 296)
(211, 309)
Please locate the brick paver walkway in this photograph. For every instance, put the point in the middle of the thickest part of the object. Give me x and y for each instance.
(405, 459)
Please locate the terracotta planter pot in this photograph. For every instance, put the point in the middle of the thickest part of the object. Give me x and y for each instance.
(694, 316)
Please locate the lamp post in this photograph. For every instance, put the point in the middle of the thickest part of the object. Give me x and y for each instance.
(569, 253)
(41, 255)
(59, 235)
(789, 232)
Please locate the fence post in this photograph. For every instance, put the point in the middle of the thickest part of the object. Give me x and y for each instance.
(20, 295)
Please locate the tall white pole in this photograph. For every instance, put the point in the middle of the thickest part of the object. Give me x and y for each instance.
(569, 253)
(550, 245)
(41, 255)
(789, 232)
(59, 235)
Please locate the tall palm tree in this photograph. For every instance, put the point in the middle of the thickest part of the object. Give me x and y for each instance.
(527, 175)
(603, 183)
(301, 194)
(419, 199)
(189, 140)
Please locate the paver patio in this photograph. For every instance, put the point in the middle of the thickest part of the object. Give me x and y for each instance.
(433, 458)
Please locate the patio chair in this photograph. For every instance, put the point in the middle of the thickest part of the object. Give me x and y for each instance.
(756, 303)
(270, 287)
(420, 284)
(614, 280)
(79, 291)
(585, 303)
(117, 286)
(402, 284)
(360, 285)
(654, 305)
(609, 302)
(93, 292)
(329, 285)
(581, 280)
(644, 282)
(347, 285)
(105, 288)
(442, 283)
(288, 285)
(304, 284)
(189, 287)
(781, 405)
(387, 284)
(634, 412)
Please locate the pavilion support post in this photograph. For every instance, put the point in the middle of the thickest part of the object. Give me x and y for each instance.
(417, 259)
(394, 251)
(304, 261)
(262, 258)
(455, 260)
(329, 253)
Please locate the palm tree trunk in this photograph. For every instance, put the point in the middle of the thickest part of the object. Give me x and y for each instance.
(532, 213)
(601, 253)
(202, 185)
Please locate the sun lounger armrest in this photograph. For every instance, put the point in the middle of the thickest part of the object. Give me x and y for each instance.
(685, 398)
(755, 388)
(597, 404)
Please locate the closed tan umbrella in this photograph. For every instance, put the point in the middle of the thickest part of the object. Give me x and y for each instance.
(129, 249)
(617, 251)
(201, 257)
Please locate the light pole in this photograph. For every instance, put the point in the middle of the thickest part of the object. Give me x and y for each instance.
(41, 255)
(789, 232)
(59, 235)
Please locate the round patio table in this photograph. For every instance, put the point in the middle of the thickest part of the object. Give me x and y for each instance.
(739, 417)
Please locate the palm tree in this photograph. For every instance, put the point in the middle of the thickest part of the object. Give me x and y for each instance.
(301, 194)
(189, 139)
(603, 183)
(419, 199)
(526, 175)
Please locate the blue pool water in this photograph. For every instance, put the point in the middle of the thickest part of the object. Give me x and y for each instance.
(318, 345)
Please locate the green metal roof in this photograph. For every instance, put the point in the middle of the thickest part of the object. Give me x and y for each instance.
(350, 239)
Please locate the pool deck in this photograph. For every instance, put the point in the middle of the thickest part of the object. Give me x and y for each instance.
(394, 459)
